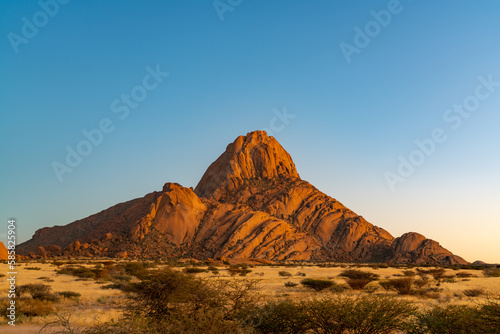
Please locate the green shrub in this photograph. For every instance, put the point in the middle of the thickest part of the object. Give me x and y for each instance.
(290, 284)
(473, 292)
(58, 263)
(214, 270)
(69, 294)
(194, 270)
(286, 317)
(121, 278)
(241, 270)
(409, 273)
(284, 273)
(420, 283)
(490, 314)
(358, 283)
(316, 284)
(456, 319)
(34, 308)
(491, 272)
(337, 288)
(386, 285)
(369, 314)
(358, 279)
(448, 279)
(464, 274)
(38, 291)
(81, 272)
(168, 294)
(402, 285)
(32, 268)
(358, 274)
(45, 279)
(118, 285)
(428, 293)
(27, 307)
(137, 269)
(436, 273)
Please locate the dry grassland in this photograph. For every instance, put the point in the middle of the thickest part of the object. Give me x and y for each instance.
(101, 305)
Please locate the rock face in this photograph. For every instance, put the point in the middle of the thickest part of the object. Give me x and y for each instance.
(250, 203)
(4, 255)
(415, 248)
(255, 156)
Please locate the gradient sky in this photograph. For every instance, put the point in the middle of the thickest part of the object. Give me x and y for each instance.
(228, 77)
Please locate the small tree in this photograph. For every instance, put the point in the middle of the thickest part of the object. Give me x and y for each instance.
(38, 291)
(402, 285)
(459, 319)
(368, 314)
(194, 270)
(358, 279)
(316, 284)
(241, 270)
(491, 272)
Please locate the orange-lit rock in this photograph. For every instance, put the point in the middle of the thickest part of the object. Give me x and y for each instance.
(4, 254)
(255, 156)
(415, 248)
(53, 249)
(250, 203)
(40, 251)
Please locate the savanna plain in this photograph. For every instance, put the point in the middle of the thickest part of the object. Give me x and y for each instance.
(84, 295)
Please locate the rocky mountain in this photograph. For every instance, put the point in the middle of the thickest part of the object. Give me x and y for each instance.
(250, 204)
(4, 253)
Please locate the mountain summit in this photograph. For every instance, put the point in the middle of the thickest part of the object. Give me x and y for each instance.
(249, 204)
(255, 156)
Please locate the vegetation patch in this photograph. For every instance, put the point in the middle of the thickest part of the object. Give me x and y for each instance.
(358, 279)
(317, 284)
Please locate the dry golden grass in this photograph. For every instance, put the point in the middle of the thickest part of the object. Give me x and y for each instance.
(272, 285)
(94, 304)
(101, 305)
(88, 289)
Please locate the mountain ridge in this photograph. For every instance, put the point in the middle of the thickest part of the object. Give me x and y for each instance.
(250, 203)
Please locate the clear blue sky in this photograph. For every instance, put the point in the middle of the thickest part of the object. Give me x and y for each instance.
(353, 120)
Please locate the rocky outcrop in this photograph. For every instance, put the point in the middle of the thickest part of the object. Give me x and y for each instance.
(415, 248)
(255, 156)
(250, 203)
(176, 213)
(4, 254)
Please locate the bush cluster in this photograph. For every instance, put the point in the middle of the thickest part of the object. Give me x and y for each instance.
(241, 270)
(108, 271)
(458, 319)
(368, 314)
(358, 279)
(194, 270)
(492, 272)
(317, 284)
(38, 291)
